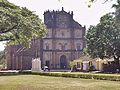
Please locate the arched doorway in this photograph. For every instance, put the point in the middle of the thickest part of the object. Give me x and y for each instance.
(63, 62)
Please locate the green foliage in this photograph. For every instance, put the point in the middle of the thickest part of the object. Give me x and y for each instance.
(3, 73)
(19, 25)
(90, 2)
(2, 55)
(112, 77)
(103, 40)
(72, 63)
(91, 68)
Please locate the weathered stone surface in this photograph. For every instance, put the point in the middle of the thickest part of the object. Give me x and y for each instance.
(63, 43)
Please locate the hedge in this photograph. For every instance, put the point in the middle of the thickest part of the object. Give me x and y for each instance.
(112, 77)
(7, 73)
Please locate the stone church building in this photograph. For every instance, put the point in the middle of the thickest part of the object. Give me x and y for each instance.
(64, 42)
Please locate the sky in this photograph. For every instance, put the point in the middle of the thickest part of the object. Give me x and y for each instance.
(82, 14)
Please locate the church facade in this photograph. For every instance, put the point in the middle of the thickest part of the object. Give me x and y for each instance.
(64, 42)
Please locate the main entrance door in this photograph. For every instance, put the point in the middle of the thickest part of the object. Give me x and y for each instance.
(63, 62)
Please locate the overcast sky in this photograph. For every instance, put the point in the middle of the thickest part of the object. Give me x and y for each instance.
(82, 14)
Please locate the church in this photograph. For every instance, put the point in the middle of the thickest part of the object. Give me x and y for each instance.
(64, 42)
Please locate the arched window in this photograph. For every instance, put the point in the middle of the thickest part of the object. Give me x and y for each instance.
(60, 46)
(78, 46)
(47, 46)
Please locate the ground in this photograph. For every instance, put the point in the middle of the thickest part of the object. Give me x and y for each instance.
(36, 82)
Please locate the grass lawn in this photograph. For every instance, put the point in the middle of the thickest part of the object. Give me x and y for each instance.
(36, 82)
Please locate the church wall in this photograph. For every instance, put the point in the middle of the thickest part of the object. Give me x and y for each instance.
(62, 33)
(78, 33)
(47, 44)
(8, 60)
(58, 55)
(49, 33)
(26, 62)
(47, 56)
(78, 43)
(65, 37)
(63, 44)
(63, 20)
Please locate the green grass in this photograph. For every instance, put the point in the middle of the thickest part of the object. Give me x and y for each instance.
(36, 82)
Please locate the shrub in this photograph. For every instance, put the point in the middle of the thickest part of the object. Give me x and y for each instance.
(91, 68)
(8, 73)
(112, 77)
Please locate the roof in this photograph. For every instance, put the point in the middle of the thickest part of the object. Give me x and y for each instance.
(84, 58)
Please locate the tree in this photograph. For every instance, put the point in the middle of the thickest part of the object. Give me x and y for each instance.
(2, 55)
(117, 13)
(103, 40)
(90, 2)
(19, 25)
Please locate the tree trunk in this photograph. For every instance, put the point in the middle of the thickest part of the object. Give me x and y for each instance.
(116, 59)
